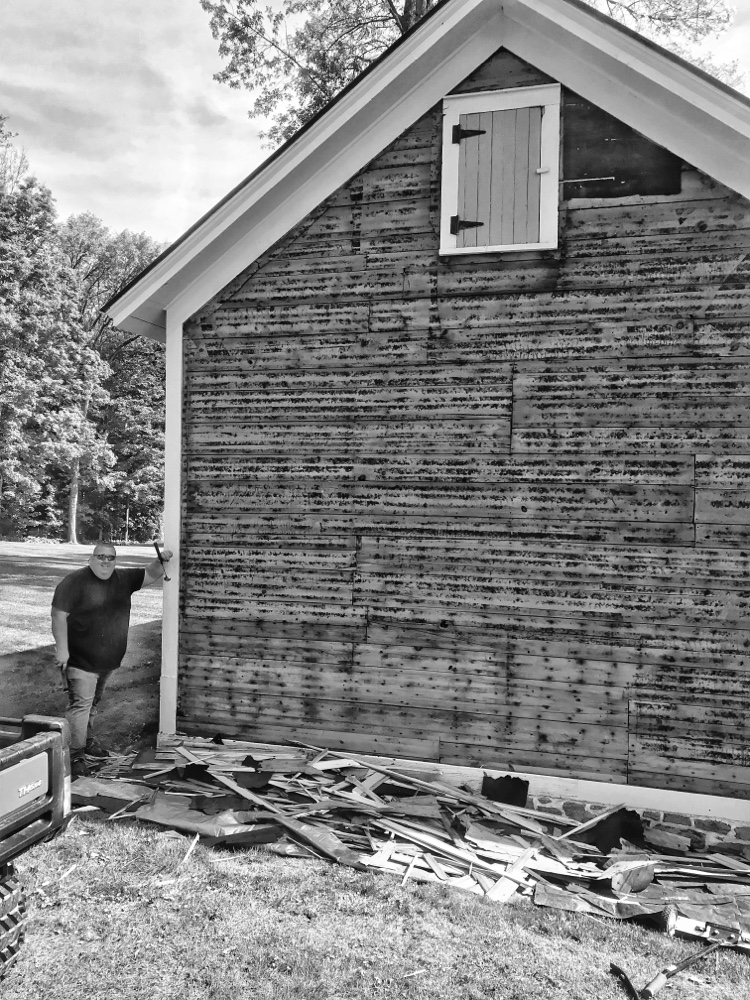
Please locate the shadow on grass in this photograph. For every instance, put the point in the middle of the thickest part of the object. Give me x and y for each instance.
(129, 712)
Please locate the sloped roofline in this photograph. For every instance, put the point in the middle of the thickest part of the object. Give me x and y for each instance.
(521, 19)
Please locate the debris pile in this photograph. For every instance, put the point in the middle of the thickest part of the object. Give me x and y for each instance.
(398, 820)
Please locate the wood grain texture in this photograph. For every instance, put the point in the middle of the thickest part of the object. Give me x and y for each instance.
(380, 744)
(210, 527)
(237, 465)
(459, 435)
(655, 503)
(485, 509)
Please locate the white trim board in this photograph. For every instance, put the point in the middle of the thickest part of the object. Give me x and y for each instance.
(172, 514)
(591, 55)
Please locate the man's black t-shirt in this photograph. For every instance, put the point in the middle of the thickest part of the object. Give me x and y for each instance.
(98, 616)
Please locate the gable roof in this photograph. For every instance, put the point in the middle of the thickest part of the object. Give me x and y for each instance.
(671, 102)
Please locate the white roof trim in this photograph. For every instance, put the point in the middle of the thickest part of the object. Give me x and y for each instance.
(619, 72)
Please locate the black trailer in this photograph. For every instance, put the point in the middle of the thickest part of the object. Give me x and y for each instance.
(34, 806)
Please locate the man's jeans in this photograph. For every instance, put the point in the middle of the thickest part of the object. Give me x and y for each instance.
(85, 691)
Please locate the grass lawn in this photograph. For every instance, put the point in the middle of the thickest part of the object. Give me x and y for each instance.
(116, 911)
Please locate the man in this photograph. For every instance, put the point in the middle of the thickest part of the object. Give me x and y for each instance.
(90, 622)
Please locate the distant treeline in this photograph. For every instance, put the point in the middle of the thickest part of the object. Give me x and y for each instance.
(81, 404)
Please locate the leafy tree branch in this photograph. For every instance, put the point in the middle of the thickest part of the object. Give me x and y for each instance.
(294, 57)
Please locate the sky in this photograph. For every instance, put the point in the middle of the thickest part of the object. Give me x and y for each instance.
(115, 106)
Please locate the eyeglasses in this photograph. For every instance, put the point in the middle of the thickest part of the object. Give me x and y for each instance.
(106, 558)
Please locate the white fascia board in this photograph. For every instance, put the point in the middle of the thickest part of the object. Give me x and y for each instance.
(660, 98)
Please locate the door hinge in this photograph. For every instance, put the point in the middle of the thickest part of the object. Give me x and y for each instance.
(459, 133)
(458, 224)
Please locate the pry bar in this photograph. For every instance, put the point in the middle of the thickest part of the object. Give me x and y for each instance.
(161, 560)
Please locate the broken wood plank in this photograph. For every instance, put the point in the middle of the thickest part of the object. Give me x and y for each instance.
(582, 827)
(507, 884)
(522, 817)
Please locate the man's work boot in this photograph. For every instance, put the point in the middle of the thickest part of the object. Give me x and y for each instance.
(78, 767)
(95, 749)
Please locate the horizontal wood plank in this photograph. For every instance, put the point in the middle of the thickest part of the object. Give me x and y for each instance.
(579, 502)
(341, 438)
(567, 563)
(681, 605)
(706, 759)
(207, 527)
(469, 468)
(331, 623)
(624, 438)
(381, 744)
(508, 758)
(326, 351)
(723, 472)
(723, 719)
(521, 733)
(722, 506)
(578, 338)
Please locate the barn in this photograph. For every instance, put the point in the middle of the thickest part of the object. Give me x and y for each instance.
(458, 436)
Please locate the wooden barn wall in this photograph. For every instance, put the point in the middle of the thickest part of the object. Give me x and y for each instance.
(489, 510)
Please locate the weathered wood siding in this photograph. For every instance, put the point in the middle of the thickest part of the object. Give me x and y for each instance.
(490, 510)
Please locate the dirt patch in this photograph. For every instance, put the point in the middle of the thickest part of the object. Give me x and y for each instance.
(29, 679)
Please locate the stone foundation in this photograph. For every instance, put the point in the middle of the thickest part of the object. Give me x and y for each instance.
(705, 832)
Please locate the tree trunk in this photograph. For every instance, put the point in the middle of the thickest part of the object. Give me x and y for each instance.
(414, 10)
(127, 524)
(75, 486)
(75, 481)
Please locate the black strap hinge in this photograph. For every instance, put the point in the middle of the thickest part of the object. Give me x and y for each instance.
(459, 133)
(458, 224)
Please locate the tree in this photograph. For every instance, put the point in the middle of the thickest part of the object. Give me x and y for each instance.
(101, 264)
(297, 55)
(13, 162)
(81, 404)
(134, 424)
(37, 345)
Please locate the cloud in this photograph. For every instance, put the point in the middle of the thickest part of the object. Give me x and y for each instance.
(44, 117)
(205, 115)
(117, 108)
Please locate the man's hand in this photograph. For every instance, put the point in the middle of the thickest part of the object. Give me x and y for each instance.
(61, 658)
(156, 569)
